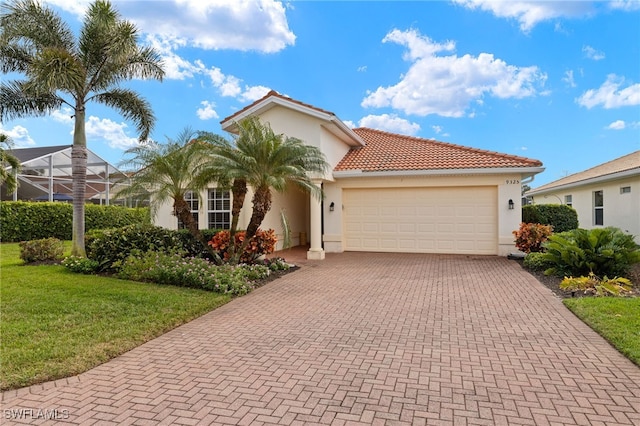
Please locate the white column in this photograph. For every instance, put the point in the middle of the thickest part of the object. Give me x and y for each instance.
(315, 250)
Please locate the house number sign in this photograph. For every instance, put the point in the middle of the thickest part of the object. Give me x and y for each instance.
(513, 182)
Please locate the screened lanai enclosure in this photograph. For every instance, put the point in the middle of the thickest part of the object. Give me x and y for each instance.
(46, 176)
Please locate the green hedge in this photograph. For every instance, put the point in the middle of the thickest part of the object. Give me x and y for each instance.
(562, 218)
(25, 221)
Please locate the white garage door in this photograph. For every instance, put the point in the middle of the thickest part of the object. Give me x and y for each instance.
(422, 220)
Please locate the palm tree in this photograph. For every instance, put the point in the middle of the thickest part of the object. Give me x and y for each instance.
(62, 70)
(166, 172)
(8, 160)
(265, 161)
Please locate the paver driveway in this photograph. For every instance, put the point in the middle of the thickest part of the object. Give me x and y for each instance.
(364, 338)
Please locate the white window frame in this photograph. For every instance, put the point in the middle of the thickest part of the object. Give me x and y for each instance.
(218, 209)
(598, 208)
(625, 190)
(568, 200)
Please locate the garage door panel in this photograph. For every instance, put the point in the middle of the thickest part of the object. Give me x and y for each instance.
(424, 220)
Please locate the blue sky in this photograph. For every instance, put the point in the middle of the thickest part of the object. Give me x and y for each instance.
(554, 81)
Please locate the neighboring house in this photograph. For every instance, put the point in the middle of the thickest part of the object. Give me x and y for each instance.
(46, 176)
(384, 192)
(605, 195)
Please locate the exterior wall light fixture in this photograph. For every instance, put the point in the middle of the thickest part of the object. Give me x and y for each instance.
(332, 206)
(511, 205)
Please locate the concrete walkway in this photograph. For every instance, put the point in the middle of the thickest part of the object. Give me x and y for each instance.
(363, 339)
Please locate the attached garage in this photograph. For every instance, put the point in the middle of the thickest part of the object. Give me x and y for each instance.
(459, 220)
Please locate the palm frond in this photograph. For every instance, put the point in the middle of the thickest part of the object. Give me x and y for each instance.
(17, 101)
(132, 106)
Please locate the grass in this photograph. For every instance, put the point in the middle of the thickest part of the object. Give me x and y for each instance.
(616, 319)
(54, 323)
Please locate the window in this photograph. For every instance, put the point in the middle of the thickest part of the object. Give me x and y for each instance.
(625, 190)
(568, 200)
(192, 199)
(219, 211)
(598, 208)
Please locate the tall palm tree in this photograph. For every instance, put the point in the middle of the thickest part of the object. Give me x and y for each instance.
(62, 70)
(166, 172)
(266, 162)
(8, 160)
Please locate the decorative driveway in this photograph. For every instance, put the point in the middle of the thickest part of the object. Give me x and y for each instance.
(363, 339)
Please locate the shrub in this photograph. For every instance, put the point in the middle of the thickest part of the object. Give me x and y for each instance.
(171, 268)
(111, 247)
(81, 265)
(43, 250)
(562, 218)
(264, 242)
(595, 286)
(602, 251)
(192, 246)
(530, 236)
(24, 221)
(535, 261)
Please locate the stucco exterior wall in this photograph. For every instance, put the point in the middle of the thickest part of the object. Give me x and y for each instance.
(621, 210)
(508, 187)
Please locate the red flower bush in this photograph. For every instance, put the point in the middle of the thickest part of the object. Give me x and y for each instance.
(530, 236)
(264, 242)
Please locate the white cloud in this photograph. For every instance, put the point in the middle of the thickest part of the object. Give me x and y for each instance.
(253, 93)
(63, 115)
(437, 129)
(208, 24)
(568, 78)
(390, 123)
(530, 13)
(617, 125)
(626, 5)
(609, 95)
(592, 53)
(350, 124)
(207, 111)
(362, 68)
(447, 85)
(19, 136)
(110, 131)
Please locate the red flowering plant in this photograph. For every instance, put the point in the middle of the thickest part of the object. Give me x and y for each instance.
(264, 242)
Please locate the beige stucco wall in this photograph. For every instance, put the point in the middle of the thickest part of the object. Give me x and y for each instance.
(508, 186)
(620, 210)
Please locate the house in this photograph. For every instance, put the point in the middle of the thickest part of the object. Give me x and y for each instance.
(46, 176)
(605, 195)
(385, 192)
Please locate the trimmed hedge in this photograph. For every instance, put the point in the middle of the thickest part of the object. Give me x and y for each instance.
(25, 221)
(562, 218)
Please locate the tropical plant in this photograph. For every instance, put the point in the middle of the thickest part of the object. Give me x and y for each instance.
(265, 161)
(62, 70)
(602, 251)
(167, 172)
(593, 285)
(264, 242)
(8, 160)
(44, 250)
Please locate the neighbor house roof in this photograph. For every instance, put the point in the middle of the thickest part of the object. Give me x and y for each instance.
(28, 154)
(627, 165)
(385, 152)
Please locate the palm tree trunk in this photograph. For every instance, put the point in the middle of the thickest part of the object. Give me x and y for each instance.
(261, 206)
(183, 212)
(238, 192)
(79, 178)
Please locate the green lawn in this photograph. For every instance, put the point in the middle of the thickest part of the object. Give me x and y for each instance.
(55, 324)
(614, 318)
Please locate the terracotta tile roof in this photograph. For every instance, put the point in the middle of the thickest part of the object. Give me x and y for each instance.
(391, 152)
(275, 94)
(622, 164)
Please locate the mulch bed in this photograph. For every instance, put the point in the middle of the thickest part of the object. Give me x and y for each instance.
(553, 283)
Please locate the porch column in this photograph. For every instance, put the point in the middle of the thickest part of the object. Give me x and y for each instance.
(315, 250)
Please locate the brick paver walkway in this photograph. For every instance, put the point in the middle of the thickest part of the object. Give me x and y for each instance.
(369, 339)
